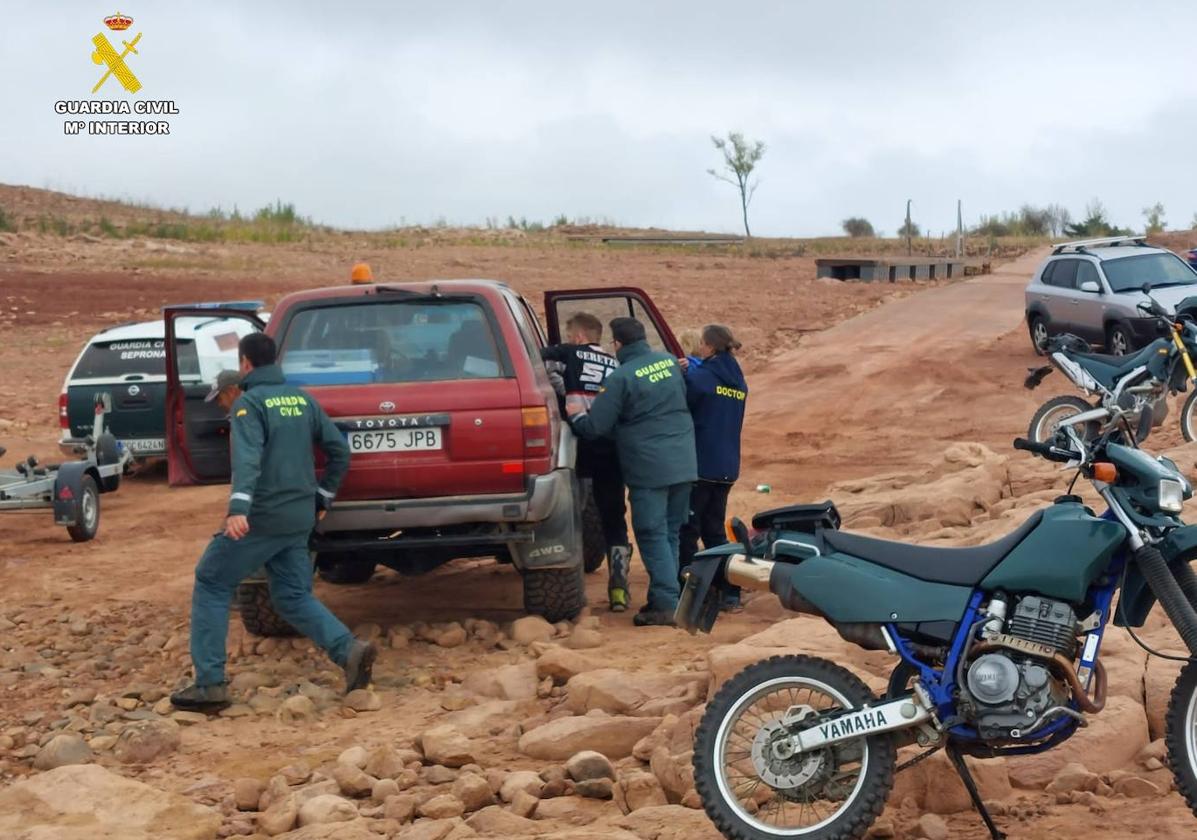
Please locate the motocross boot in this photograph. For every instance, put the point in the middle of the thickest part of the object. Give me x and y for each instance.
(618, 563)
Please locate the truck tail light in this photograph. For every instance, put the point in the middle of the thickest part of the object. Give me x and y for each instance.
(64, 420)
(536, 431)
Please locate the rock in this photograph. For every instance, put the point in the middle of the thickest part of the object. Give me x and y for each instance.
(473, 791)
(640, 790)
(531, 628)
(296, 709)
(249, 681)
(1110, 741)
(441, 807)
(574, 810)
(613, 736)
(145, 740)
(524, 804)
(510, 682)
(296, 774)
(79, 697)
(454, 635)
(1158, 680)
(595, 788)
(62, 750)
(401, 808)
(103, 743)
(584, 639)
(1134, 787)
(489, 718)
(620, 692)
(589, 765)
(237, 710)
(438, 775)
(449, 829)
(353, 781)
(562, 664)
(445, 745)
(280, 817)
(326, 808)
(247, 793)
(86, 802)
(383, 789)
(494, 820)
(521, 780)
(1072, 777)
(383, 763)
(669, 822)
(356, 756)
(675, 773)
(934, 786)
(399, 637)
(188, 718)
(932, 827)
(363, 700)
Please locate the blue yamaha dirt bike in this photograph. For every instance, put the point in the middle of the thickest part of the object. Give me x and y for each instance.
(998, 645)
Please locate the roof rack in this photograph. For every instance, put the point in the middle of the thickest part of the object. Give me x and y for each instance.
(1108, 242)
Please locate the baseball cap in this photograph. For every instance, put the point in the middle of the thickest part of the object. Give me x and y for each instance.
(224, 379)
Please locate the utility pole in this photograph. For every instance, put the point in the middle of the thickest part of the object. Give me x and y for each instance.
(909, 244)
(959, 231)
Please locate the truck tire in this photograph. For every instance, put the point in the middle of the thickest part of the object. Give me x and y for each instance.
(554, 594)
(87, 511)
(344, 568)
(594, 544)
(257, 610)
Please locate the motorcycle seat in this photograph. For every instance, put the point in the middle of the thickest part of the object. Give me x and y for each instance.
(965, 566)
(1110, 369)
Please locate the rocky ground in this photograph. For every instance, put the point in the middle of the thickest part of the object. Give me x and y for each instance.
(483, 723)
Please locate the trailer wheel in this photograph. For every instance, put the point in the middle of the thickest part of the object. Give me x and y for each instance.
(108, 453)
(87, 511)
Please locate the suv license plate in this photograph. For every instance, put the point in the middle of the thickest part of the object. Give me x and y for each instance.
(139, 445)
(398, 440)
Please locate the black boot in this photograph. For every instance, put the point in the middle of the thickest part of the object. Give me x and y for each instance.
(202, 698)
(359, 664)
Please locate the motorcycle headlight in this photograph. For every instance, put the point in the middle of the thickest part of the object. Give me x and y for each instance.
(1172, 495)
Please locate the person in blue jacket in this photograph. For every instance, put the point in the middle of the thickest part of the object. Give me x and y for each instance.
(717, 395)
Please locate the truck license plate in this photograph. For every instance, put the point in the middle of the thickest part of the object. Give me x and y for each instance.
(396, 440)
(139, 446)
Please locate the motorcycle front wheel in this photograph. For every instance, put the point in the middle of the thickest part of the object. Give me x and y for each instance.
(1180, 734)
(1188, 418)
(834, 793)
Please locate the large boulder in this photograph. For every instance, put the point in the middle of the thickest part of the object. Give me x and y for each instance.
(61, 750)
(641, 694)
(145, 740)
(87, 802)
(613, 736)
(445, 745)
(936, 787)
(562, 664)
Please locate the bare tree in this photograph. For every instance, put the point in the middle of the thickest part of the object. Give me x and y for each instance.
(1155, 217)
(740, 158)
(1058, 218)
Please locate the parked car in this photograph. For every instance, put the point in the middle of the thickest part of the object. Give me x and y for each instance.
(1093, 289)
(1191, 256)
(458, 448)
(129, 362)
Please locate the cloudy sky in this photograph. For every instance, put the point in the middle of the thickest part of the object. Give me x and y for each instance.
(372, 114)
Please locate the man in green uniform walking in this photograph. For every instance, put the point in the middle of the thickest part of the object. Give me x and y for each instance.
(271, 512)
(643, 406)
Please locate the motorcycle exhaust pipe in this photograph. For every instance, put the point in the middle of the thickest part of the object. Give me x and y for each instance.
(749, 574)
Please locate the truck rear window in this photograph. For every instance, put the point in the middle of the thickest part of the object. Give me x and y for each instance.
(139, 356)
(393, 341)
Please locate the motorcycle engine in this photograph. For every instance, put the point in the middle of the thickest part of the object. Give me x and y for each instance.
(1009, 689)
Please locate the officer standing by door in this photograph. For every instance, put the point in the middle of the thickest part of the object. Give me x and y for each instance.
(272, 510)
(643, 405)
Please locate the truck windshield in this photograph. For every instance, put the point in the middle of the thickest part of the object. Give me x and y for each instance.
(1130, 273)
(138, 356)
(422, 340)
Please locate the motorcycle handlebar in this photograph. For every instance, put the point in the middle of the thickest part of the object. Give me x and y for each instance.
(1044, 450)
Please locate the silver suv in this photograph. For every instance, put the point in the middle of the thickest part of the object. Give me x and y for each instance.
(1093, 288)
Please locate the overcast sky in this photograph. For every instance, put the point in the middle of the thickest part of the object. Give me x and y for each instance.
(371, 114)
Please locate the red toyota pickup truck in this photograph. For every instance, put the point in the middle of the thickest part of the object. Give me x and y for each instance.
(458, 447)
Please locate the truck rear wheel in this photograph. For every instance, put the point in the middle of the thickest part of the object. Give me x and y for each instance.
(344, 567)
(257, 610)
(594, 544)
(554, 594)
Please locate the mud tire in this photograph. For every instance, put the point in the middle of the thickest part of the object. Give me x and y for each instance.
(257, 611)
(554, 594)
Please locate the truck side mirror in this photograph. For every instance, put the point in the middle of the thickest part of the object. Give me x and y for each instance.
(1091, 287)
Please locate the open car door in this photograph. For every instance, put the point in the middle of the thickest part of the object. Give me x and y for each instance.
(605, 304)
(201, 341)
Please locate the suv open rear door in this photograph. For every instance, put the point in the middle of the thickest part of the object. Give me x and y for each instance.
(605, 304)
(197, 431)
